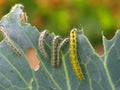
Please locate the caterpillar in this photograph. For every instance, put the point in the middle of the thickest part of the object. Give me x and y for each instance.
(73, 54)
(23, 17)
(58, 50)
(54, 51)
(9, 41)
(41, 43)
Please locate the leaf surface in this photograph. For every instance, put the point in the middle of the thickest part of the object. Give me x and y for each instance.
(101, 72)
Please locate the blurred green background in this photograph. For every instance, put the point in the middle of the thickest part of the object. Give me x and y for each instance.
(60, 16)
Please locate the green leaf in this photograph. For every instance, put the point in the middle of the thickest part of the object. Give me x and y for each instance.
(101, 72)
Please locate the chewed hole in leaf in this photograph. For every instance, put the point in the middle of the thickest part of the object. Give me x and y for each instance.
(99, 49)
(32, 59)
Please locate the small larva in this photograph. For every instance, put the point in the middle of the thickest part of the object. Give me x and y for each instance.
(54, 56)
(58, 51)
(41, 43)
(23, 17)
(73, 54)
(9, 41)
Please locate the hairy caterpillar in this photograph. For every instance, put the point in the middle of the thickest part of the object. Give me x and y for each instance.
(9, 41)
(54, 55)
(23, 17)
(58, 50)
(73, 54)
(41, 43)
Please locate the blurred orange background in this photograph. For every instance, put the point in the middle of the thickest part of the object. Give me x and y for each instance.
(60, 16)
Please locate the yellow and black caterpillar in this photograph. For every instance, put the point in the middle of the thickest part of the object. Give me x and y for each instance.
(73, 54)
